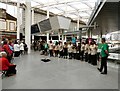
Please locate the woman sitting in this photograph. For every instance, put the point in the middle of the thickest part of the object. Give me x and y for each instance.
(6, 66)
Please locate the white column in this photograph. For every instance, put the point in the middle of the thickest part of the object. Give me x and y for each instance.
(18, 19)
(65, 12)
(78, 20)
(51, 38)
(48, 10)
(32, 16)
(28, 25)
(47, 37)
(6, 5)
(62, 38)
(58, 36)
(90, 34)
(65, 38)
(87, 34)
(32, 38)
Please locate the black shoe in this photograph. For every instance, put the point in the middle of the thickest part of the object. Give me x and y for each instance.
(104, 73)
(99, 69)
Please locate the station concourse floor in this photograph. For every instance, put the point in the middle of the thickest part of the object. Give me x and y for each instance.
(59, 73)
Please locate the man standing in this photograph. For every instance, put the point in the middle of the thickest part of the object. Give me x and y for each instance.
(104, 55)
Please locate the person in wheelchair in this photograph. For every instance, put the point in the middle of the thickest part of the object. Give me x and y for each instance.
(6, 66)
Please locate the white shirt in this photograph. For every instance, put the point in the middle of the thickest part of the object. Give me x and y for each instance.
(93, 49)
(16, 47)
(50, 46)
(60, 47)
(56, 47)
(70, 48)
(86, 48)
(21, 46)
(74, 50)
(82, 47)
(89, 50)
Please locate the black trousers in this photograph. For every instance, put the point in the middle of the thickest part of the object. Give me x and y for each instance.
(104, 64)
(16, 53)
(70, 55)
(9, 57)
(98, 54)
(56, 53)
(77, 56)
(94, 59)
(65, 52)
(89, 58)
(45, 51)
(86, 57)
(21, 51)
(61, 53)
(74, 55)
(11, 70)
(82, 55)
(51, 52)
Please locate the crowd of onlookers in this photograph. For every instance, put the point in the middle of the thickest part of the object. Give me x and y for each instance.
(85, 51)
(8, 50)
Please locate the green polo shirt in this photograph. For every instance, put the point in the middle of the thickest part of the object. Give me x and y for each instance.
(103, 48)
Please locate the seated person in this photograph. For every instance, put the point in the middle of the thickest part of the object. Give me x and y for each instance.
(6, 66)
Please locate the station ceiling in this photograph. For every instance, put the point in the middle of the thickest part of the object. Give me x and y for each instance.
(67, 8)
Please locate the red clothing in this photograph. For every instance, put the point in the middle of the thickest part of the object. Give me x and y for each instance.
(1, 49)
(4, 63)
(7, 48)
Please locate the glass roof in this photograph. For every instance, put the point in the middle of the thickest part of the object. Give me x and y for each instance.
(68, 8)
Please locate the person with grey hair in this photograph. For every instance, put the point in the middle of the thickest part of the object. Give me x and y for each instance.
(104, 55)
(6, 66)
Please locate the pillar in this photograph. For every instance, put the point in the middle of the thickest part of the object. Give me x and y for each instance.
(90, 33)
(18, 19)
(6, 5)
(78, 20)
(32, 38)
(59, 36)
(51, 38)
(87, 34)
(62, 37)
(65, 38)
(28, 25)
(48, 10)
(32, 16)
(47, 37)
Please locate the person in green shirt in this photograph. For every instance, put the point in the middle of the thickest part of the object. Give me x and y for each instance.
(104, 55)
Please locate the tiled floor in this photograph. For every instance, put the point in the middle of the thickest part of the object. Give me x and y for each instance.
(58, 74)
